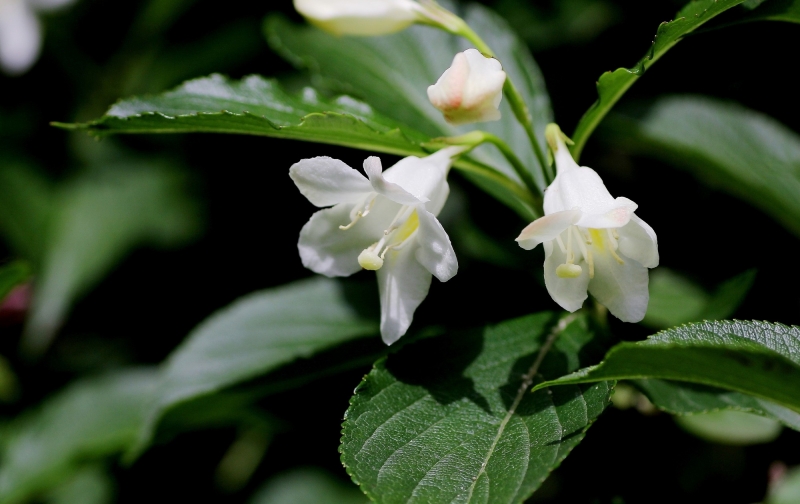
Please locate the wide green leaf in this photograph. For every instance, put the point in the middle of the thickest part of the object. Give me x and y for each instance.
(392, 73)
(253, 336)
(450, 419)
(612, 85)
(754, 358)
(90, 419)
(90, 485)
(681, 398)
(96, 219)
(748, 154)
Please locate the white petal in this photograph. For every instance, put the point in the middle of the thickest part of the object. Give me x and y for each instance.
(384, 187)
(425, 178)
(569, 293)
(403, 284)
(359, 17)
(20, 36)
(330, 251)
(44, 5)
(622, 288)
(638, 241)
(547, 228)
(583, 188)
(326, 181)
(435, 251)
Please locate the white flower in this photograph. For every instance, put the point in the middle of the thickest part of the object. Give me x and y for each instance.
(21, 33)
(470, 90)
(386, 222)
(360, 17)
(591, 240)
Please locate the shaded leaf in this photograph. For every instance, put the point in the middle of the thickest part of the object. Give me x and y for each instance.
(755, 358)
(746, 153)
(731, 427)
(90, 419)
(450, 419)
(26, 201)
(612, 85)
(97, 219)
(253, 336)
(772, 10)
(12, 275)
(675, 300)
(307, 486)
(90, 485)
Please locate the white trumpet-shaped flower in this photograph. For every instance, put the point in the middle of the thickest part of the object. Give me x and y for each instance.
(591, 241)
(470, 90)
(384, 222)
(360, 17)
(21, 33)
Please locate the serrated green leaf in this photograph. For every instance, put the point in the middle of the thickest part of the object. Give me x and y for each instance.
(686, 398)
(676, 300)
(257, 106)
(731, 427)
(746, 153)
(253, 336)
(450, 419)
(96, 219)
(754, 358)
(392, 73)
(307, 486)
(612, 85)
(91, 419)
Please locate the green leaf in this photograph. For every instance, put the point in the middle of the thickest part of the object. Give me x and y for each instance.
(675, 300)
(97, 219)
(253, 336)
(731, 427)
(687, 398)
(256, 106)
(90, 419)
(450, 419)
(12, 275)
(26, 200)
(307, 486)
(746, 153)
(91, 485)
(392, 74)
(612, 85)
(786, 490)
(772, 10)
(754, 358)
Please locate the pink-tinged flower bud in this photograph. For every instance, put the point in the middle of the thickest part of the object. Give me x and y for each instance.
(470, 90)
(359, 17)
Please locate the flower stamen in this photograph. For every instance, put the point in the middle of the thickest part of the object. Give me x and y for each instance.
(613, 245)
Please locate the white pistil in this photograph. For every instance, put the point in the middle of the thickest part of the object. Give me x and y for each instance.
(587, 253)
(361, 213)
(372, 257)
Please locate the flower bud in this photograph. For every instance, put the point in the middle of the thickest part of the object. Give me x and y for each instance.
(359, 17)
(470, 90)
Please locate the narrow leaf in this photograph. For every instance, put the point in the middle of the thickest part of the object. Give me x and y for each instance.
(91, 419)
(253, 336)
(612, 85)
(450, 419)
(755, 358)
(748, 154)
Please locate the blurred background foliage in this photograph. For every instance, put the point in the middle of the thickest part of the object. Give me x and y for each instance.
(115, 251)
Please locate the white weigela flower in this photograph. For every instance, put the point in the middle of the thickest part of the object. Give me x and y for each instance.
(360, 17)
(470, 90)
(384, 222)
(21, 33)
(591, 240)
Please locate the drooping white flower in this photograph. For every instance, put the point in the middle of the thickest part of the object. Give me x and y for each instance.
(21, 33)
(384, 222)
(470, 90)
(360, 17)
(591, 241)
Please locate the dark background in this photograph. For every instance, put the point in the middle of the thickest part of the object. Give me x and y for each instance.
(142, 310)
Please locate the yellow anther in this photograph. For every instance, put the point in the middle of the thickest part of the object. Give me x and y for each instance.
(369, 259)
